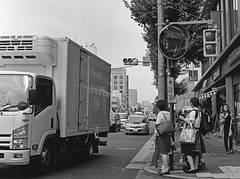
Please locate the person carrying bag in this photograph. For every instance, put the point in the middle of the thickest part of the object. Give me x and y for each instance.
(193, 150)
(163, 137)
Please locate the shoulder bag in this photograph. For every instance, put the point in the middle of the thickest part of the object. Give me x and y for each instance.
(165, 126)
(188, 135)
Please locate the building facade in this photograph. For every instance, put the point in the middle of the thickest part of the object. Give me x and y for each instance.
(132, 97)
(119, 82)
(220, 83)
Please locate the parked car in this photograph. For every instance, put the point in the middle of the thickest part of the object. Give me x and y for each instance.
(115, 123)
(137, 124)
(123, 119)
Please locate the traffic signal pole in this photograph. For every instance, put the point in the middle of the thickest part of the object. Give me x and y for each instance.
(162, 86)
(161, 72)
(161, 64)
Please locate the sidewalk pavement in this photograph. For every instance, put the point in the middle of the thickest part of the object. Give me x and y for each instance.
(218, 163)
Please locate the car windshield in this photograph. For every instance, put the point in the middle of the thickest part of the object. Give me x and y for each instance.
(13, 89)
(136, 119)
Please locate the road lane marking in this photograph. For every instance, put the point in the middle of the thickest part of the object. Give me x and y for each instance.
(126, 148)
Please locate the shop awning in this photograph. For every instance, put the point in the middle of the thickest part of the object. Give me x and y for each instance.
(207, 94)
(210, 93)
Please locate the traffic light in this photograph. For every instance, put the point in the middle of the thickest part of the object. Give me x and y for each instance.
(130, 61)
(210, 43)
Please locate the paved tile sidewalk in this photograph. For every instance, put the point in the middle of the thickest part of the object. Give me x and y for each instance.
(219, 164)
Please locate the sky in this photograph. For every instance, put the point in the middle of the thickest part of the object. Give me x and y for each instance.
(106, 23)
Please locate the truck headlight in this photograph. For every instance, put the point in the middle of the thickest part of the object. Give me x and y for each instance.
(20, 137)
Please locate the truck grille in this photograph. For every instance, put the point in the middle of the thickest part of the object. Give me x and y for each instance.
(5, 141)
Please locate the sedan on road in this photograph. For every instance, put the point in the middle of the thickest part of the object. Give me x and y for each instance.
(137, 124)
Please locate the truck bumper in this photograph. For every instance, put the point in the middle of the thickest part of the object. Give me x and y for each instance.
(14, 157)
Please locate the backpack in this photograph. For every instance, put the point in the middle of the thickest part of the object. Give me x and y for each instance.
(205, 125)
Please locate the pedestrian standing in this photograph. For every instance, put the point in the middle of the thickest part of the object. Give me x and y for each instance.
(205, 111)
(221, 122)
(163, 141)
(228, 135)
(194, 151)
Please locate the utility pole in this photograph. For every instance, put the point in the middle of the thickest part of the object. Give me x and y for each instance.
(162, 86)
(161, 64)
(161, 72)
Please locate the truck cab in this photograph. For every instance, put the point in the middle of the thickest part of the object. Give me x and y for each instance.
(54, 100)
(26, 104)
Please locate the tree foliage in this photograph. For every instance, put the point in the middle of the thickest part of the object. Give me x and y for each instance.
(145, 14)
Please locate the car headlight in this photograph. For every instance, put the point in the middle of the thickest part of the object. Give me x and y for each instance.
(127, 126)
(20, 137)
(143, 127)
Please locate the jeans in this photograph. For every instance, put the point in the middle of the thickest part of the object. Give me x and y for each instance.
(228, 142)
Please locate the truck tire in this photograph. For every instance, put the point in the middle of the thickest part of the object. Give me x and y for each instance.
(90, 148)
(47, 158)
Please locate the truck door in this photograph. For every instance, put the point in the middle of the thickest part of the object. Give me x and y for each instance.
(83, 93)
(43, 120)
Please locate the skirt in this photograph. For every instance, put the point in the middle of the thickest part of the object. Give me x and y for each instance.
(163, 144)
(194, 149)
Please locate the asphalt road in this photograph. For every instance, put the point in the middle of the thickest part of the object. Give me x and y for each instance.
(108, 164)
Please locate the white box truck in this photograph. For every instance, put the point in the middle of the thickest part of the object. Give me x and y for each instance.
(54, 100)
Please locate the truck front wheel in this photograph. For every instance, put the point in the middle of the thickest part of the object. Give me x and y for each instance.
(47, 158)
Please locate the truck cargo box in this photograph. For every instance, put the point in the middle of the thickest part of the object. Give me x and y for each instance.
(83, 90)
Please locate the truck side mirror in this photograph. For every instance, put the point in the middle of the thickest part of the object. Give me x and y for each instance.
(32, 96)
(22, 105)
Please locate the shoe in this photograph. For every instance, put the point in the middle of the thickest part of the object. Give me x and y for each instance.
(227, 152)
(163, 173)
(231, 151)
(191, 171)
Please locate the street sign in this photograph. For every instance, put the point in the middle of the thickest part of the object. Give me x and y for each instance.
(146, 61)
(170, 89)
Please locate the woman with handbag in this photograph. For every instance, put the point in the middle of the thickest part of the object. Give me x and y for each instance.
(228, 134)
(194, 150)
(163, 140)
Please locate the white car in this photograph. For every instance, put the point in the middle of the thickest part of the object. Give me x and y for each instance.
(137, 124)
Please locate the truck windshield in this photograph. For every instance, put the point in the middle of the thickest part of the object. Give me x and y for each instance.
(13, 89)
